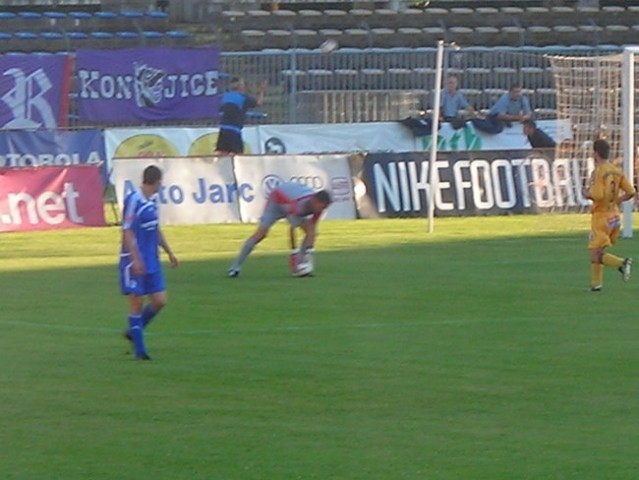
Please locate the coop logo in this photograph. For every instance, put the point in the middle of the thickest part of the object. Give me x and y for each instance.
(27, 99)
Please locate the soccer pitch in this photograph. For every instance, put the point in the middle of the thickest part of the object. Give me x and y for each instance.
(471, 353)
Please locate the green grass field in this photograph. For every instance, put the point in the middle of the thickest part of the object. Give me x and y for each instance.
(471, 353)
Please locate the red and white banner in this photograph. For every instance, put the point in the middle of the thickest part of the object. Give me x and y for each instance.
(50, 198)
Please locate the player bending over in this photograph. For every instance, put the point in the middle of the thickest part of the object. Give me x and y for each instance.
(300, 205)
(608, 188)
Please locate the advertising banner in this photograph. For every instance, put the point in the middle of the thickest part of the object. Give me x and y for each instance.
(470, 183)
(333, 138)
(60, 148)
(50, 198)
(147, 84)
(169, 142)
(264, 173)
(34, 90)
(511, 138)
(194, 190)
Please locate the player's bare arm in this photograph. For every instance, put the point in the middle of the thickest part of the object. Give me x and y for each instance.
(165, 246)
(137, 264)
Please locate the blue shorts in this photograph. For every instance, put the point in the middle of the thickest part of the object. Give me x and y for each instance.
(140, 284)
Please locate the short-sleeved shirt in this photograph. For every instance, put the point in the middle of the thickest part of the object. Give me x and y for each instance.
(233, 110)
(141, 217)
(289, 200)
(506, 104)
(606, 182)
(452, 104)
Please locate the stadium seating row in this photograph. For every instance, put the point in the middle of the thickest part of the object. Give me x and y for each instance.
(384, 37)
(384, 27)
(51, 41)
(35, 21)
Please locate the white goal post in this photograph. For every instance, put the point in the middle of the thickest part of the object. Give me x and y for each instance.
(596, 94)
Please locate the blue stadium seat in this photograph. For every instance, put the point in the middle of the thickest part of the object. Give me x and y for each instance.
(29, 20)
(106, 20)
(178, 37)
(5, 40)
(133, 18)
(102, 39)
(56, 19)
(155, 20)
(25, 36)
(54, 41)
(80, 19)
(152, 38)
(126, 39)
(25, 41)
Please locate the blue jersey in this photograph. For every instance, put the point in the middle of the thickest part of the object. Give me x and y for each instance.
(233, 109)
(141, 217)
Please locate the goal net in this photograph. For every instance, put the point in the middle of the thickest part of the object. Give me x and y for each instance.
(596, 95)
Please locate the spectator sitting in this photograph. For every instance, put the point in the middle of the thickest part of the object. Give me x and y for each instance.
(511, 107)
(537, 137)
(453, 102)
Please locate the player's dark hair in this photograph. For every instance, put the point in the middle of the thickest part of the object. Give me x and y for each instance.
(602, 148)
(151, 175)
(529, 123)
(324, 196)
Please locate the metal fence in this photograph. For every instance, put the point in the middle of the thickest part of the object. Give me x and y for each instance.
(352, 85)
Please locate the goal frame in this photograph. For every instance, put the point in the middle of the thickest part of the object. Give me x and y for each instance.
(629, 55)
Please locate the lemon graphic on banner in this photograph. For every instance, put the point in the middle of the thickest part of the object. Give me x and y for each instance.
(146, 146)
(206, 145)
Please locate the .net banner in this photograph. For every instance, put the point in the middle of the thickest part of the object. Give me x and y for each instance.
(34, 91)
(469, 183)
(147, 84)
(50, 198)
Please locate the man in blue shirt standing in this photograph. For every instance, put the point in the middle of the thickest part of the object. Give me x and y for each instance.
(235, 103)
(140, 269)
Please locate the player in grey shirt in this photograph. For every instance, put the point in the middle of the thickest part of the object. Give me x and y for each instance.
(300, 205)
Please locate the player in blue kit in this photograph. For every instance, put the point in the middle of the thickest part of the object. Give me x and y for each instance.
(300, 205)
(235, 103)
(140, 268)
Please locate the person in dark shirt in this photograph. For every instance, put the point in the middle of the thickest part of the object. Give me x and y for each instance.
(235, 104)
(537, 137)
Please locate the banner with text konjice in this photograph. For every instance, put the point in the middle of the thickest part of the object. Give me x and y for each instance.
(147, 84)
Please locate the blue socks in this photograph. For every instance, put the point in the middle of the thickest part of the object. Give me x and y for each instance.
(147, 315)
(137, 334)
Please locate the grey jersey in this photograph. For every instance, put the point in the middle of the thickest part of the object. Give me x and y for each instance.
(289, 200)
